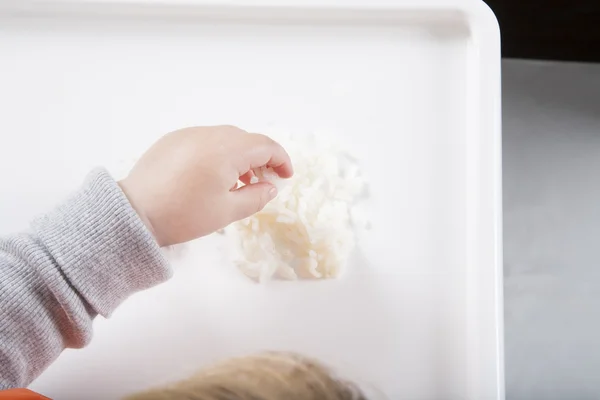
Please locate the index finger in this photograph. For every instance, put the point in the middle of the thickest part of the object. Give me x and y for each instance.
(261, 151)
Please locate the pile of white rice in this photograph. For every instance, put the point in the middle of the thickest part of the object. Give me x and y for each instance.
(307, 231)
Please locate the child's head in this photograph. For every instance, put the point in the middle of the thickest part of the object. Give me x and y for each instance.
(266, 376)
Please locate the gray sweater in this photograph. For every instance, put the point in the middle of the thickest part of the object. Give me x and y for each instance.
(78, 261)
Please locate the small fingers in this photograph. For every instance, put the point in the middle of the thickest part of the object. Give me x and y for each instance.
(247, 177)
(263, 151)
(250, 199)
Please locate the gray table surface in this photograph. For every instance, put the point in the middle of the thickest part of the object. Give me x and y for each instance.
(551, 161)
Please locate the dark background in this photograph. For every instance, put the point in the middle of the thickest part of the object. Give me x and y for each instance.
(549, 29)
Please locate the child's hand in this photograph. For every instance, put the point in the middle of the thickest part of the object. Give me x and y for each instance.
(185, 186)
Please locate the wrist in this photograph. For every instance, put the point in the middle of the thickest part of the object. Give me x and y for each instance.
(123, 184)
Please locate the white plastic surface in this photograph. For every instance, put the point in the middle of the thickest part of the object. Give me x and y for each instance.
(411, 86)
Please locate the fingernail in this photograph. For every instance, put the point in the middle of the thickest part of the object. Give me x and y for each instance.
(272, 193)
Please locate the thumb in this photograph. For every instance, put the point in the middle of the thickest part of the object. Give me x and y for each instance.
(252, 198)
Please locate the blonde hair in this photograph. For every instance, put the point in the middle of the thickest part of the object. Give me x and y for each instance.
(265, 376)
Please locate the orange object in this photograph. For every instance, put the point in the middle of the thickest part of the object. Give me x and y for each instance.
(21, 394)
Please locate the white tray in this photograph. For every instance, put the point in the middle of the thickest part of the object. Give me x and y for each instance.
(411, 86)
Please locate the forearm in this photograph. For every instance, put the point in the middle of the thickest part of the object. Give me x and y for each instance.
(82, 259)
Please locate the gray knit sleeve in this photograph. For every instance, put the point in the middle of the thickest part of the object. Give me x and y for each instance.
(78, 261)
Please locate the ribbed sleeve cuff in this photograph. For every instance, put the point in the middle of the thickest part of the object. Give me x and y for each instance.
(101, 246)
